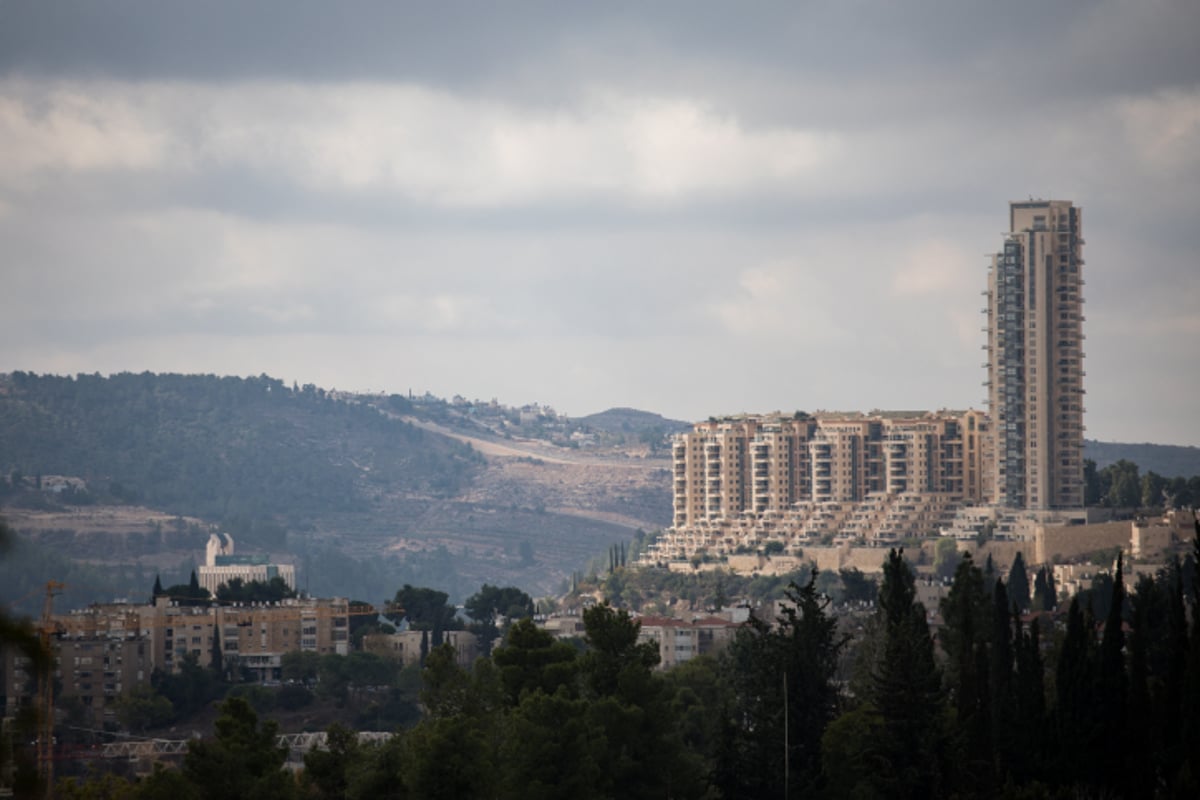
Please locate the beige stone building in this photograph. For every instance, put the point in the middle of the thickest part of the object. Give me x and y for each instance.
(1035, 359)
(679, 641)
(405, 646)
(742, 482)
(106, 650)
(91, 670)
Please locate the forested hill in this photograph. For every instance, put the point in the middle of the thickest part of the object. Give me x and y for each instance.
(630, 420)
(1169, 461)
(217, 447)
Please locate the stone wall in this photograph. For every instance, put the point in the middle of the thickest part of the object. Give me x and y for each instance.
(1071, 541)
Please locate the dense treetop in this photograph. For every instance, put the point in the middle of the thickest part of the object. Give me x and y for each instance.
(217, 447)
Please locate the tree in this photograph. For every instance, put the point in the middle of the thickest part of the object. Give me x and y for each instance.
(1153, 486)
(190, 593)
(857, 586)
(613, 649)
(946, 558)
(1018, 583)
(426, 609)
(1075, 684)
(531, 659)
(966, 615)
(142, 708)
(1001, 678)
(1124, 484)
(238, 591)
(907, 690)
(1093, 492)
(329, 768)
(1113, 685)
(1044, 593)
(642, 752)
(242, 760)
(300, 665)
(491, 603)
(783, 690)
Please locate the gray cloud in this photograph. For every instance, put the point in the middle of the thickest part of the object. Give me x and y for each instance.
(685, 207)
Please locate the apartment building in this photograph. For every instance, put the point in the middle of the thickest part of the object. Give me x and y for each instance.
(91, 670)
(1035, 359)
(679, 640)
(409, 647)
(745, 481)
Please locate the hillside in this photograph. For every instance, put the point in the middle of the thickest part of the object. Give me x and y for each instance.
(128, 473)
(1169, 461)
(630, 420)
(108, 481)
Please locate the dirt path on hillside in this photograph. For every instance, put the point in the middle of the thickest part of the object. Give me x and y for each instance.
(519, 448)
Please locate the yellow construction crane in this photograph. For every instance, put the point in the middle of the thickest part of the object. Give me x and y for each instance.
(45, 696)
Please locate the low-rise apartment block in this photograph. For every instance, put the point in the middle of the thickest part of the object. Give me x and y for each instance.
(409, 647)
(679, 641)
(740, 483)
(105, 650)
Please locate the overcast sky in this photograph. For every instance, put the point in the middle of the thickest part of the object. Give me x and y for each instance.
(690, 208)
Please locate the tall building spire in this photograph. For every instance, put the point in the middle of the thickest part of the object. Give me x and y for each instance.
(1035, 358)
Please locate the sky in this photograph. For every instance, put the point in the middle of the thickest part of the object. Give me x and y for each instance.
(692, 208)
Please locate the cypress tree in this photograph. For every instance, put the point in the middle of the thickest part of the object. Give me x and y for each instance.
(1142, 732)
(907, 691)
(1029, 692)
(157, 591)
(1074, 686)
(1113, 685)
(1170, 720)
(1189, 774)
(1018, 583)
(216, 659)
(1000, 677)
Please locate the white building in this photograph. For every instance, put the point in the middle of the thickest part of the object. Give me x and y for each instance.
(221, 566)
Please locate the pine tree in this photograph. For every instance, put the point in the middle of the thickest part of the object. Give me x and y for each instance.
(781, 675)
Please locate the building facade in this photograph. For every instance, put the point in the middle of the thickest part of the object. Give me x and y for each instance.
(411, 647)
(745, 481)
(222, 564)
(1035, 359)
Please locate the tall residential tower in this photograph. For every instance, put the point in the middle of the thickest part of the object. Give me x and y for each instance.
(1035, 359)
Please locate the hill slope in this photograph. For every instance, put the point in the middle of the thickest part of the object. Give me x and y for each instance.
(218, 447)
(127, 473)
(1169, 461)
(631, 420)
